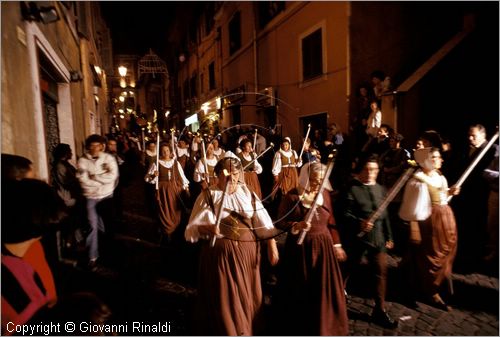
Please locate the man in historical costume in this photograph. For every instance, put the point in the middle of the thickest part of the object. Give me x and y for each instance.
(367, 238)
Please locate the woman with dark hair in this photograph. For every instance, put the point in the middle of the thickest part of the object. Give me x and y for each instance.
(253, 167)
(311, 285)
(206, 179)
(171, 181)
(229, 290)
(284, 169)
(68, 187)
(433, 226)
(30, 208)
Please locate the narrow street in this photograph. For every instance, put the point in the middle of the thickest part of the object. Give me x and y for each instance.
(143, 279)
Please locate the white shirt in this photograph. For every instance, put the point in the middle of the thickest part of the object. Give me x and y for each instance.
(257, 166)
(374, 123)
(417, 205)
(199, 169)
(277, 161)
(151, 178)
(239, 201)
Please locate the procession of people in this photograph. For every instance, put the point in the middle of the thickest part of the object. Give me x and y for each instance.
(234, 202)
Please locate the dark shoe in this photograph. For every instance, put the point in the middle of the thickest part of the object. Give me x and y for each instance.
(438, 302)
(382, 318)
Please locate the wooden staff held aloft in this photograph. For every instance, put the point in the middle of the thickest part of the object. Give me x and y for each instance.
(305, 139)
(314, 205)
(157, 157)
(174, 150)
(205, 164)
(391, 194)
(471, 167)
(221, 206)
(254, 140)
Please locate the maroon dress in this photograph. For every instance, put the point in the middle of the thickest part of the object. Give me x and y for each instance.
(310, 282)
(169, 198)
(250, 175)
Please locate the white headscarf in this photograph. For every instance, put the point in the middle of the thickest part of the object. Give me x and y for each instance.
(423, 158)
(306, 171)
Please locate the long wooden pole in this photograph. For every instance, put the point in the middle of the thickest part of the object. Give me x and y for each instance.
(219, 211)
(390, 195)
(260, 155)
(471, 167)
(254, 140)
(314, 205)
(205, 164)
(304, 144)
(157, 157)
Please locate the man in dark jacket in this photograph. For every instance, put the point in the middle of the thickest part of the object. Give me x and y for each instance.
(369, 238)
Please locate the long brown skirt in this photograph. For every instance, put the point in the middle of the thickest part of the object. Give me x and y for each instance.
(229, 290)
(437, 250)
(312, 287)
(288, 179)
(253, 183)
(169, 205)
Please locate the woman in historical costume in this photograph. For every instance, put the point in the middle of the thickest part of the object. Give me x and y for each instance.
(170, 185)
(311, 285)
(229, 290)
(218, 151)
(433, 227)
(253, 167)
(182, 153)
(200, 174)
(284, 168)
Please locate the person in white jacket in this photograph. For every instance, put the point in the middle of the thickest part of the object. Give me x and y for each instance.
(98, 176)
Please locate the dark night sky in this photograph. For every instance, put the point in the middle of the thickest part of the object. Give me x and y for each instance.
(137, 26)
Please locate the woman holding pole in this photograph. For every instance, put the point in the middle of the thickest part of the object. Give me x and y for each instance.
(229, 290)
(251, 165)
(433, 227)
(311, 282)
(168, 175)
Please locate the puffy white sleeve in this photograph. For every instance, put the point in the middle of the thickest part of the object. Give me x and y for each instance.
(199, 170)
(150, 176)
(416, 205)
(276, 164)
(297, 159)
(201, 215)
(258, 167)
(185, 181)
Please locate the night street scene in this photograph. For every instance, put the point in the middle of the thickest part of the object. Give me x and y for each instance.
(250, 168)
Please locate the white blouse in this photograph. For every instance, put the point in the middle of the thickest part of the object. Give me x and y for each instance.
(151, 178)
(257, 166)
(417, 204)
(199, 169)
(239, 201)
(277, 160)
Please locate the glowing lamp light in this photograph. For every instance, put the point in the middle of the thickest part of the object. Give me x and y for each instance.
(167, 113)
(121, 99)
(204, 107)
(122, 70)
(218, 102)
(123, 83)
(98, 70)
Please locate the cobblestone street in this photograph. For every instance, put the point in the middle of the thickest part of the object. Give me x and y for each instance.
(143, 280)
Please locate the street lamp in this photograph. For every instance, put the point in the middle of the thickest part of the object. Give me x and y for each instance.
(122, 70)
